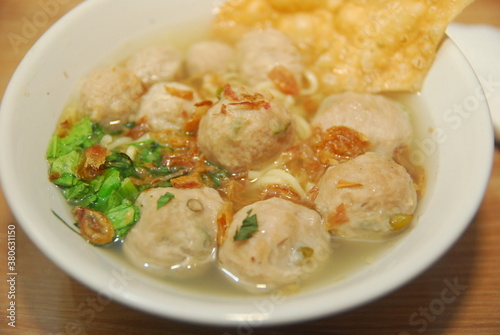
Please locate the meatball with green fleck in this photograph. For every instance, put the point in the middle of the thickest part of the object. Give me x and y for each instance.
(110, 96)
(177, 232)
(368, 197)
(272, 243)
(245, 129)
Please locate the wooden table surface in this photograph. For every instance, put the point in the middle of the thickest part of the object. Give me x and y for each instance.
(50, 302)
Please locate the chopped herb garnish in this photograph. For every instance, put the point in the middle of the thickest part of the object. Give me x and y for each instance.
(123, 218)
(248, 228)
(121, 162)
(83, 134)
(111, 193)
(130, 124)
(215, 176)
(150, 151)
(164, 199)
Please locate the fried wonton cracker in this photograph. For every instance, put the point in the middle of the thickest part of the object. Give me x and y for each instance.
(352, 45)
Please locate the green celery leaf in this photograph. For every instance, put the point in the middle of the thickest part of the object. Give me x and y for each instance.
(66, 180)
(150, 152)
(110, 183)
(95, 137)
(96, 183)
(165, 183)
(66, 163)
(128, 190)
(160, 171)
(164, 199)
(248, 228)
(121, 162)
(80, 194)
(83, 134)
(108, 195)
(52, 150)
(123, 217)
(216, 177)
(63, 169)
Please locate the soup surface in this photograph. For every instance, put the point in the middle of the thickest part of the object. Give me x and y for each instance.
(214, 161)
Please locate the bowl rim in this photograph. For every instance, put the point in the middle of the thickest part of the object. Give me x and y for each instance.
(212, 316)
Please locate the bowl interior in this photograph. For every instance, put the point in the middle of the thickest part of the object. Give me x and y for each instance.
(458, 151)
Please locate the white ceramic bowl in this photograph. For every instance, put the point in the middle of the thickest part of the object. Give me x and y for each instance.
(459, 152)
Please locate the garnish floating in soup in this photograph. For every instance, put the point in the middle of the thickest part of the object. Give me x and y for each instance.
(232, 154)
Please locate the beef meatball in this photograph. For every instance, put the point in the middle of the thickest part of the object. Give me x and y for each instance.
(110, 96)
(176, 238)
(167, 105)
(209, 57)
(245, 129)
(368, 197)
(288, 243)
(156, 63)
(259, 52)
(382, 120)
